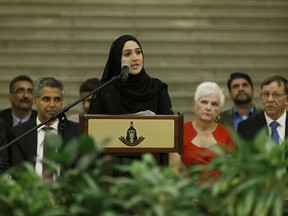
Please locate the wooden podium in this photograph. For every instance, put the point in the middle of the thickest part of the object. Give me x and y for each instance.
(135, 134)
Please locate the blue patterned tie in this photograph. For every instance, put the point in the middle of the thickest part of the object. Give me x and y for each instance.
(274, 132)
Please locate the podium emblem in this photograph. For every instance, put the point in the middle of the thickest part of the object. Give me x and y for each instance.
(131, 138)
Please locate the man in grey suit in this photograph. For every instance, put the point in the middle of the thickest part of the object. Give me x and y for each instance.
(274, 98)
(48, 99)
(241, 92)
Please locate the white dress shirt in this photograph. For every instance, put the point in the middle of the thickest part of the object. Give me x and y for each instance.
(280, 128)
(40, 145)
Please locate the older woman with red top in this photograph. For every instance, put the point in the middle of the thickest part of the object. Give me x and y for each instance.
(201, 134)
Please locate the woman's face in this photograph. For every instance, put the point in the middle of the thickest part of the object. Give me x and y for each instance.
(208, 107)
(132, 54)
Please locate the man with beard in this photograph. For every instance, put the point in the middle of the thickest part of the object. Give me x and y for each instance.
(21, 99)
(241, 93)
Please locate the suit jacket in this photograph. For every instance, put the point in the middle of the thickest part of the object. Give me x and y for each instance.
(249, 128)
(227, 117)
(26, 147)
(6, 115)
(4, 164)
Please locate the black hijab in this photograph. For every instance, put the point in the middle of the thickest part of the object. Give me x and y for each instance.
(138, 87)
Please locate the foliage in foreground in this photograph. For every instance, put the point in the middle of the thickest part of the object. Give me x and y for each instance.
(253, 181)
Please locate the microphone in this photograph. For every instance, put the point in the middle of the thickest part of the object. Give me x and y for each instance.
(125, 71)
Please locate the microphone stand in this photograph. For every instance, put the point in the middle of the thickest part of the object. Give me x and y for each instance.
(61, 114)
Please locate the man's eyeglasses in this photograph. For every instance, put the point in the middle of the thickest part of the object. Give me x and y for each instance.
(274, 95)
(22, 91)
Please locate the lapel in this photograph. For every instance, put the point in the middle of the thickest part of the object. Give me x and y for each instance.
(9, 119)
(28, 143)
(258, 124)
(31, 141)
(62, 132)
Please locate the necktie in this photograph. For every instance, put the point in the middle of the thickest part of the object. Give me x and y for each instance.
(47, 130)
(274, 132)
(46, 173)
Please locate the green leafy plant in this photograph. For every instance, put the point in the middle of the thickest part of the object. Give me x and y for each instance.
(252, 182)
(253, 179)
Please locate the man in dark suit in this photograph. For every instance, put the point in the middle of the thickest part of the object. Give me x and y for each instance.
(241, 92)
(48, 99)
(274, 98)
(21, 99)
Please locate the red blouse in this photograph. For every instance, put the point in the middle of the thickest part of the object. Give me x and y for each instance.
(193, 155)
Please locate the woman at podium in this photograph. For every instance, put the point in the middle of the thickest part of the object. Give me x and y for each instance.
(126, 87)
(132, 90)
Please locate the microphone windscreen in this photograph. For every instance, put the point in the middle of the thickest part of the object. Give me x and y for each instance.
(125, 64)
(125, 71)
